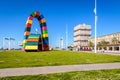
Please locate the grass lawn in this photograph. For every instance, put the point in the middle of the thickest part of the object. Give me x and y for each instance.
(17, 58)
(113, 74)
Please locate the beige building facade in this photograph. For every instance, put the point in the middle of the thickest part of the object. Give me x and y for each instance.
(109, 42)
(82, 33)
(82, 40)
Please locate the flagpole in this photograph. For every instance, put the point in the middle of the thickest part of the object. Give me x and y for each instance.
(95, 11)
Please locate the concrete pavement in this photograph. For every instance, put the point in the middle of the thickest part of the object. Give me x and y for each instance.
(55, 69)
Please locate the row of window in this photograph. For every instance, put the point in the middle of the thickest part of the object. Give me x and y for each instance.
(81, 41)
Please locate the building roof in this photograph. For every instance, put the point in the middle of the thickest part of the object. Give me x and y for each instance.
(82, 26)
(108, 34)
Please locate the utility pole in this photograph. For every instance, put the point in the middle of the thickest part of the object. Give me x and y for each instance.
(61, 40)
(66, 36)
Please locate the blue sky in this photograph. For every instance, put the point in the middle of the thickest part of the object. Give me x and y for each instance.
(58, 13)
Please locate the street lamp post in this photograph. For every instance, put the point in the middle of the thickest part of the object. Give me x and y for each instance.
(9, 43)
(3, 44)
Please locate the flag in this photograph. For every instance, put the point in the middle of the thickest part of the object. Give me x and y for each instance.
(12, 39)
(6, 38)
(95, 11)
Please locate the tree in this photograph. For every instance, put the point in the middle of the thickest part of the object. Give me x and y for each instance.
(70, 47)
(90, 44)
(114, 40)
(99, 44)
(103, 43)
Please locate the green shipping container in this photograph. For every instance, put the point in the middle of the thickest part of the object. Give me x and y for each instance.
(33, 14)
(44, 31)
(24, 44)
(27, 29)
(32, 43)
(33, 36)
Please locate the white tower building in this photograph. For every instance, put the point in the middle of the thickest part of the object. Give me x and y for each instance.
(81, 34)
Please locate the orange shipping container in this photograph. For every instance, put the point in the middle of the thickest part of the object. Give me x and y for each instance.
(42, 20)
(27, 33)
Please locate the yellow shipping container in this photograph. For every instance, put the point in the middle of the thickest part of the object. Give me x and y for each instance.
(24, 41)
(29, 21)
(45, 35)
(31, 48)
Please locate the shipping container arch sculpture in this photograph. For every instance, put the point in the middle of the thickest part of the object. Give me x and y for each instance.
(36, 42)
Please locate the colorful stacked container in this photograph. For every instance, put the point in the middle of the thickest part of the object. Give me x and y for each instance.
(36, 41)
(32, 42)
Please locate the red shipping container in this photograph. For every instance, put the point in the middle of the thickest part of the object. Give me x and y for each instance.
(28, 25)
(32, 40)
(37, 14)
